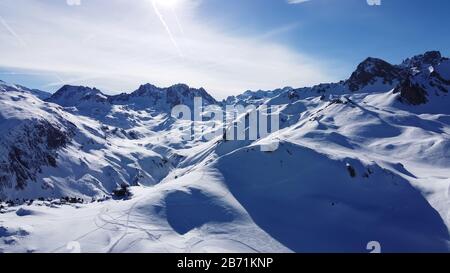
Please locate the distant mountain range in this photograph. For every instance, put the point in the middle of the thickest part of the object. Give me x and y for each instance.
(364, 159)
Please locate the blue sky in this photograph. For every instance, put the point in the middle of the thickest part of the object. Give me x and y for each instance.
(348, 30)
(225, 46)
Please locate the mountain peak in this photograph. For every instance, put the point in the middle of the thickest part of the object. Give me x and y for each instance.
(151, 87)
(369, 71)
(148, 89)
(374, 66)
(432, 55)
(180, 86)
(372, 60)
(148, 86)
(76, 88)
(162, 99)
(71, 95)
(429, 58)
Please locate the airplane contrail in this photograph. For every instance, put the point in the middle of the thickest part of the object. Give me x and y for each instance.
(163, 22)
(12, 32)
(178, 21)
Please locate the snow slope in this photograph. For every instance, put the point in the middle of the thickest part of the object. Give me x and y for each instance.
(5, 87)
(48, 152)
(366, 159)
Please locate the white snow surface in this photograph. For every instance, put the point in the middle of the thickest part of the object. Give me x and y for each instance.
(350, 168)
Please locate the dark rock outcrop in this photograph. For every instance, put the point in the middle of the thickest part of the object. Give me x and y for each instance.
(30, 147)
(69, 96)
(411, 93)
(369, 71)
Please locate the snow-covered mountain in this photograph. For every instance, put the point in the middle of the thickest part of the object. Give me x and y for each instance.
(48, 152)
(5, 87)
(365, 159)
(78, 96)
(150, 96)
(146, 97)
(428, 71)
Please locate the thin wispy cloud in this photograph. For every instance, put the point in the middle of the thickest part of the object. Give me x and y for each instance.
(117, 45)
(297, 1)
(11, 31)
(369, 2)
(278, 31)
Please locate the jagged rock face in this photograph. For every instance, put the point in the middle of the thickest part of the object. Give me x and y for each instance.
(441, 75)
(427, 75)
(368, 72)
(69, 96)
(437, 81)
(29, 147)
(146, 97)
(430, 58)
(106, 155)
(430, 73)
(411, 93)
(181, 93)
(415, 78)
(162, 99)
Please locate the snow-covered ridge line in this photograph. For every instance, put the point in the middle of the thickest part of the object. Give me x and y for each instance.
(145, 96)
(429, 71)
(101, 124)
(352, 167)
(5, 87)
